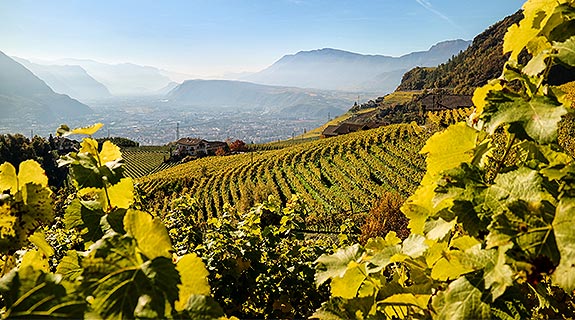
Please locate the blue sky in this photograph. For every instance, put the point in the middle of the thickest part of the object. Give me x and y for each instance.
(212, 37)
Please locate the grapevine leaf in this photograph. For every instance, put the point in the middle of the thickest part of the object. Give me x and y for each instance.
(123, 285)
(527, 225)
(564, 275)
(88, 221)
(69, 266)
(150, 234)
(536, 15)
(348, 286)
(121, 194)
(480, 95)
(38, 207)
(517, 38)
(337, 308)
(36, 260)
(89, 146)
(566, 51)
(498, 275)
(419, 300)
(335, 265)
(443, 154)
(32, 294)
(420, 206)
(414, 246)
(39, 240)
(194, 279)
(30, 171)
(200, 307)
(463, 299)
(438, 229)
(90, 130)
(8, 178)
(522, 184)
(537, 65)
(110, 153)
(464, 242)
(449, 268)
(539, 117)
(382, 258)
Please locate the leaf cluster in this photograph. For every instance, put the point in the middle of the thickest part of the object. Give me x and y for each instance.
(489, 237)
(124, 268)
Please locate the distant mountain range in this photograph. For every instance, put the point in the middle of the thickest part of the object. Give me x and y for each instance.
(214, 94)
(23, 95)
(332, 69)
(68, 79)
(125, 79)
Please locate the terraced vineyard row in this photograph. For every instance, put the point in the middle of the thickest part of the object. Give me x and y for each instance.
(340, 174)
(142, 161)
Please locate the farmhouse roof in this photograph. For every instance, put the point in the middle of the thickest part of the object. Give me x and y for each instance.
(190, 141)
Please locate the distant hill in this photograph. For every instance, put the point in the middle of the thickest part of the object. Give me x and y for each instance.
(482, 61)
(24, 95)
(333, 69)
(124, 79)
(68, 79)
(203, 94)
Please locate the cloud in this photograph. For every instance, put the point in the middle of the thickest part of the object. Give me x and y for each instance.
(427, 5)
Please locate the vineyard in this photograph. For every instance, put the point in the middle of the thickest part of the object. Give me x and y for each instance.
(142, 161)
(335, 175)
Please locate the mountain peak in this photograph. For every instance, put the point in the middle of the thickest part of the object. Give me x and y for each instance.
(335, 69)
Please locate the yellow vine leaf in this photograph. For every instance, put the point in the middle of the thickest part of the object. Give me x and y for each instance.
(348, 286)
(448, 149)
(7, 222)
(8, 178)
(480, 95)
(39, 240)
(418, 300)
(536, 14)
(30, 171)
(110, 152)
(194, 276)
(89, 146)
(35, 259)
(121, 194)
(150, 234)
(90, 130)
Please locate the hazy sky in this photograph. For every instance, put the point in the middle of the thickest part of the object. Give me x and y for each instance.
(209, 37)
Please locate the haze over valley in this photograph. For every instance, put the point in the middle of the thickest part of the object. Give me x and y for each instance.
(285, 94)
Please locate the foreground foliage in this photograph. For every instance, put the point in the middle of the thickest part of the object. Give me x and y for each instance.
(492, 233)
(124, 267)
(260, 263)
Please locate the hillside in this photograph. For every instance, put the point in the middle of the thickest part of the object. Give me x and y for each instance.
(23, 95)
(482, 61)
(218, 94)
(450, 85)
(331, 175)
(71, 80)
(333, 69)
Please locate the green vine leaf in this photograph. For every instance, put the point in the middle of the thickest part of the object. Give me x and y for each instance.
(564, 275)
(30, 293)
(538, 117)
(336, 265)
(123, 286)
(463, 299)
(566, 51)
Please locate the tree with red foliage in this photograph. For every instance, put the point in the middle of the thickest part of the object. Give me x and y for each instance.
(237, 145)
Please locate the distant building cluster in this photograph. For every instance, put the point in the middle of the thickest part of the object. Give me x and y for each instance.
(198, 147)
